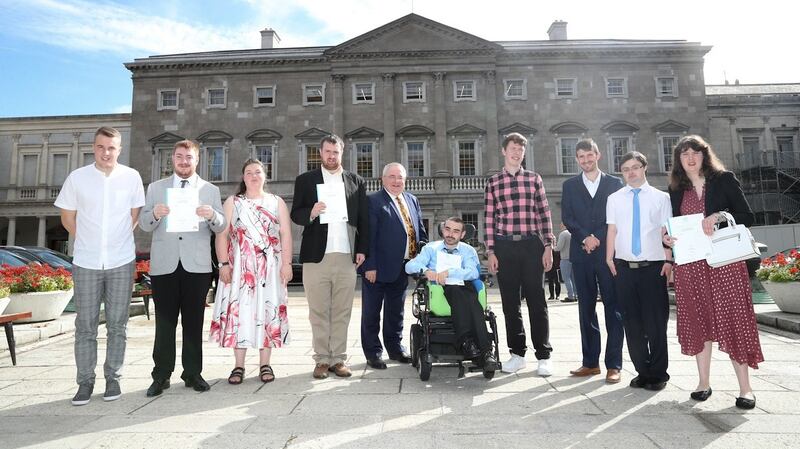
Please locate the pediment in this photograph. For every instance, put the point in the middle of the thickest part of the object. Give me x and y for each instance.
(215, 136)
(414, 131)
(466, 129)
(671, 126)
(525, 130)
(412, 34)
(568, 128)
(165, 138)
(264, 134)
(620, 126)
(312, 133)
(364, 133)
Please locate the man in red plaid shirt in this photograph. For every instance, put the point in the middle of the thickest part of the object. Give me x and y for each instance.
(519, 242)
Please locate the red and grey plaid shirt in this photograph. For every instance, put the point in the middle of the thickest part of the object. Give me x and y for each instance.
(517, 205)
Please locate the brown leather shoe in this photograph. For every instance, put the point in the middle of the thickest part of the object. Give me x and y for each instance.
(613, 376)
(321, 371)
(584, 371)
(341, 370)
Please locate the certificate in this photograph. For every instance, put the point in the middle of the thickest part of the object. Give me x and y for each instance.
(446, 262)
(333, 196)
(183, 205)
(691, 243)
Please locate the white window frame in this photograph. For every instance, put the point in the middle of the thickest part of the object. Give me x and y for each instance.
(21, 168)
(456, 96)
(206, 147)
(414, 100)
(507, 85)
(224, 98)
(256, 104)
(660, 94)
(574, 87)
(623, 94)
(560, 156)
(426, 155)
(354, 158)
(662, 150)
(160, 100)
(303, 166)
(610, 150)
(477, 150)
(274, 148)
(355, 90)
(307, 86)
(158, 171)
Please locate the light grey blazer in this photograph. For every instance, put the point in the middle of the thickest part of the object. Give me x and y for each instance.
(192, 249)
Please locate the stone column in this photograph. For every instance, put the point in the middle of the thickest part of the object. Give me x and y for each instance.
(735, 144)
(76, 155)
(389, 150)
(43, 162)
(338, 105)
(767, 145)
(11, 237)
(492, 144)
(40, 239)
(441, 156)
(12, 179)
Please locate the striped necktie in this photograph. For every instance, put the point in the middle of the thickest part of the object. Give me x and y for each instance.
(412, 235)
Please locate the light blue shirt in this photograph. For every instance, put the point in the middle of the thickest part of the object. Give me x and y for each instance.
(426, 260)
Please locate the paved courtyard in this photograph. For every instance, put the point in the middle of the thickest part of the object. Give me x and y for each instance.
(393, 408)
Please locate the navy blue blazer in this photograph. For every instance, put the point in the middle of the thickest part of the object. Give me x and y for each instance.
(584, 215)
(387, 234)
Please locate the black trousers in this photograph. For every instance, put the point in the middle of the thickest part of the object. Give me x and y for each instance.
(644, 303)
(467, 315)
(185, 293)
(520, 274)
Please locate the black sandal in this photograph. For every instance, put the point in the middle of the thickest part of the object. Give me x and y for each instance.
(237, 376)
(266, 374)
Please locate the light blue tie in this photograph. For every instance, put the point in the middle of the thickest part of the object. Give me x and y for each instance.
(636, 239)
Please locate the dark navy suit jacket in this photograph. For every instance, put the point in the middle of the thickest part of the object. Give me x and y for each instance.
(387, 234)
(584, 215)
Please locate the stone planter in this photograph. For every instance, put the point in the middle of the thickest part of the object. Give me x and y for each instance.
(785, 294)
(44, 306)
(4, 303)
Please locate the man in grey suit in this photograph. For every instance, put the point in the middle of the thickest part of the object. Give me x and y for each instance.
(180, 266)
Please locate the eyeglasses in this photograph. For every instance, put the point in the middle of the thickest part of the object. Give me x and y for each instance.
(632, 168)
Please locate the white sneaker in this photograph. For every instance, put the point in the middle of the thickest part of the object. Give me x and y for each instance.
(545, 368)
(514, 364)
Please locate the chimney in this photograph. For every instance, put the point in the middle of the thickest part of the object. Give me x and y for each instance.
(269, 38)
(558, 31)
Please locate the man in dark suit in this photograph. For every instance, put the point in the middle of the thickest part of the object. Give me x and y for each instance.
(330, 246)
(180, 266)
(395, 233)
(583, 212)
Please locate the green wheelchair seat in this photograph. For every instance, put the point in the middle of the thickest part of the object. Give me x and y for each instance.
(439, 305)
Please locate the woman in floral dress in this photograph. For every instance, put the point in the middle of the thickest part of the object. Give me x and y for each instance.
(255, 254)
(714, 304)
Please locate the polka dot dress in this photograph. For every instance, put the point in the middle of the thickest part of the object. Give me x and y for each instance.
(715, 304)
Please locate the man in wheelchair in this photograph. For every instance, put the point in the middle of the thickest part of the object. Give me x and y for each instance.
(454, 264)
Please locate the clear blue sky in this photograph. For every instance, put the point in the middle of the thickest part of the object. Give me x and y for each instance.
(64, 57)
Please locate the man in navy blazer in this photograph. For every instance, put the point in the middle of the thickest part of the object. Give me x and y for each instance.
(583, 212)
(395, 234)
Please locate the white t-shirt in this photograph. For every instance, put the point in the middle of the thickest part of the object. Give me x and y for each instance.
(104, 229)
(655, 210)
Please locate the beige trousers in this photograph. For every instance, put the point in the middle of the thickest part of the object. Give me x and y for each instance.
(330, 286)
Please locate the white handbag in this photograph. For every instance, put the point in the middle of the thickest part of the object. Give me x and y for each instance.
(731, 244)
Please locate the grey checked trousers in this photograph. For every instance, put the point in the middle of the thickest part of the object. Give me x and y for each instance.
(94, 287)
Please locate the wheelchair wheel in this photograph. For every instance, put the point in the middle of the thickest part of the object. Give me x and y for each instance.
(425, 366)
(416, 343)
(488, 374)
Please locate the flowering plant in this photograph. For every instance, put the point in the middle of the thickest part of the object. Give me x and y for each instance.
(35, 278)
(4, 291)
(780, 268)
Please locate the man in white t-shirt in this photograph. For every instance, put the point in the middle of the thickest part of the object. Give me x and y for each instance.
(100, 206)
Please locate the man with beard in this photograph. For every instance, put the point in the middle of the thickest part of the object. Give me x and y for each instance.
(468, 319)
(332, 248)
(180, 269)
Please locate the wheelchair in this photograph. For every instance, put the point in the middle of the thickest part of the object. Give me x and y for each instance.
(433, 338)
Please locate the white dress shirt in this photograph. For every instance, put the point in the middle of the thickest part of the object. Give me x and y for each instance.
(176, 181)
(104, 229)
(655, 210)
(591, 186)
(402, 199)
(338, 237)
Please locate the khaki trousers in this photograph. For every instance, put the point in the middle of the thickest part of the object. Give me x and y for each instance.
(330, 286)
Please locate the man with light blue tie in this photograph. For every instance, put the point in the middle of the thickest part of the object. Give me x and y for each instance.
(636, 216)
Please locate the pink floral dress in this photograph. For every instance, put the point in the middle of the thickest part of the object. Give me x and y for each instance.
(250, 312)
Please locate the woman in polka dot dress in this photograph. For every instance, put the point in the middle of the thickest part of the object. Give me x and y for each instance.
(714, 304)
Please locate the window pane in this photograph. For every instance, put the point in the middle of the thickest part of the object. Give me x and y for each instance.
(30, 165)
(264, 95)
(414, 91)
(364, 160)
(88, 158)
(568, 162)
(166, 162)
(466, 158)
(216, 163)
(667, 145)
(313, 158)
(464, 89)
(616, 86)
(60, 168)
(313, 94)
(785, 144)
(264, 154)
(470, 218)
(514, 88)
(169, 98)
(565, 87)
(619, 147)
(416, 158)
(750, 144)
(216, 97)
(363, 92)
(666, 86)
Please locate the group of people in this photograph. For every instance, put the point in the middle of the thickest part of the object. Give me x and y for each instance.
(618, 242)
